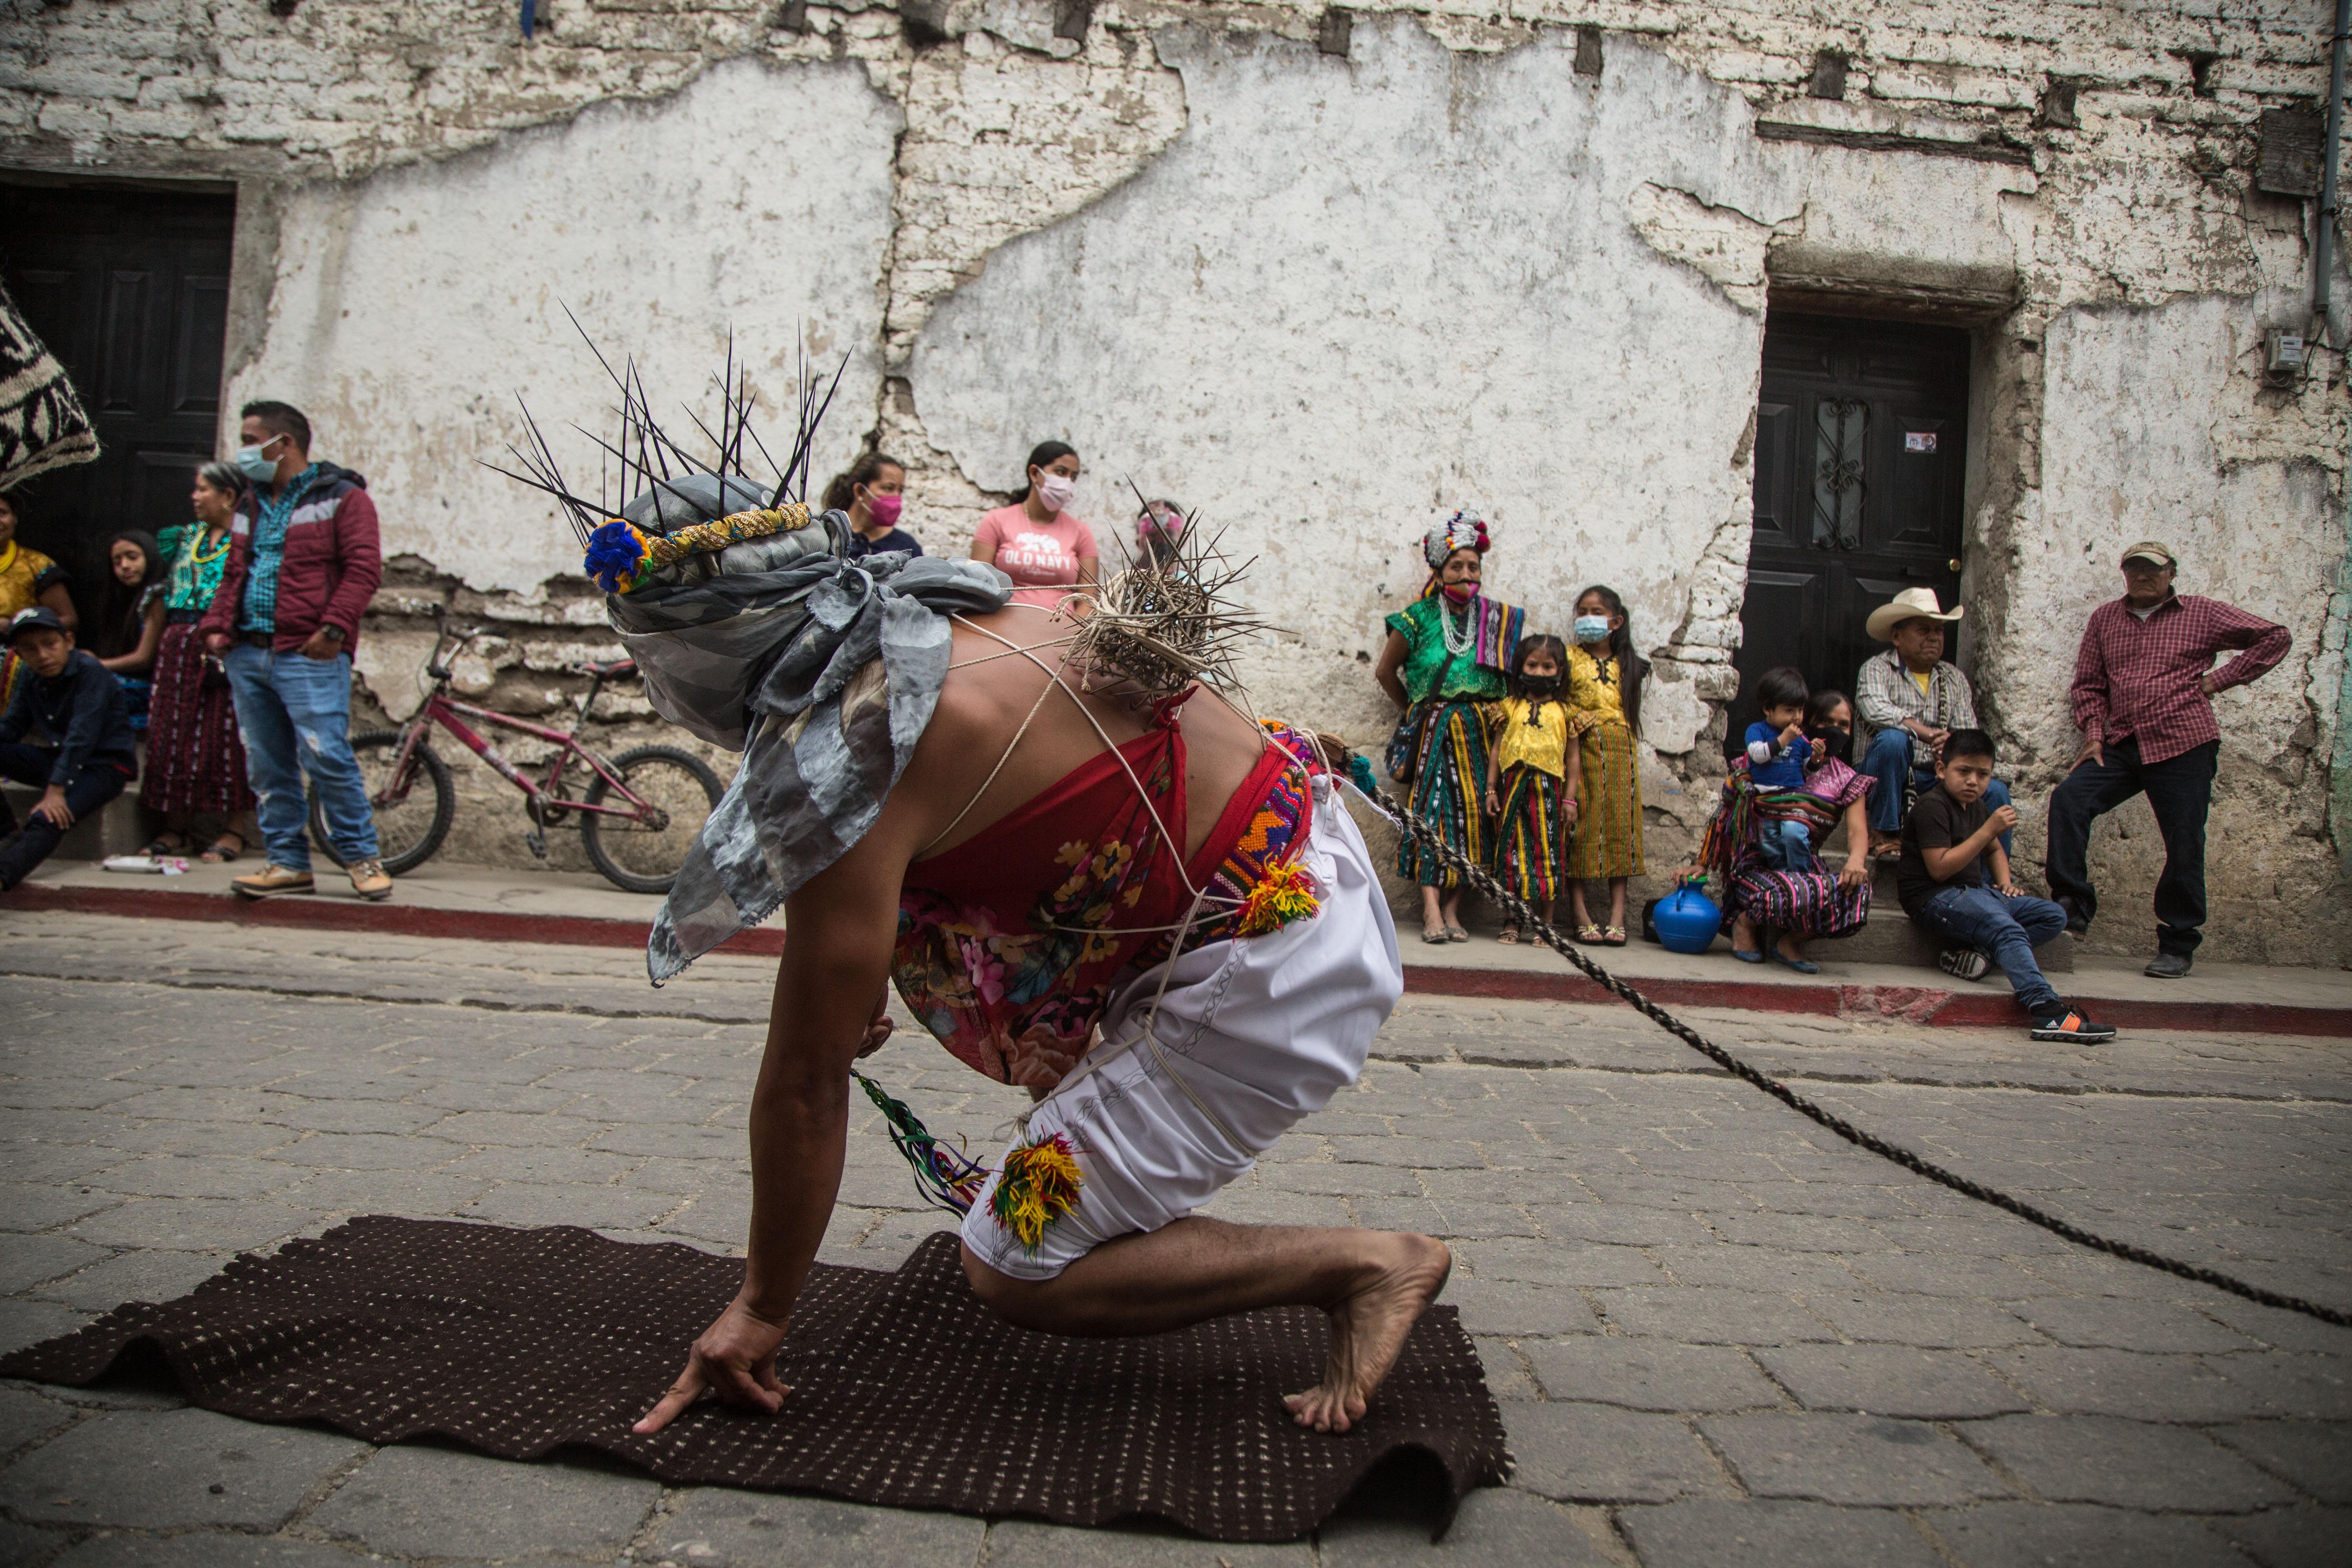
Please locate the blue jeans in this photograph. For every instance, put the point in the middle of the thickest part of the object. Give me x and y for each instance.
(1888, 760)
(1786, 846)
(2005, 929)
(295, 714)
(87, 791)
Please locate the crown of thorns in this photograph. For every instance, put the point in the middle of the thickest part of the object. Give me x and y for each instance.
(1167, 622)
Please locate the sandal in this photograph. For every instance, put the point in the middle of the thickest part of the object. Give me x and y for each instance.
(1589, 935)
(1510, 936)
(220, 853)
(1436, 937)
(1614, 936)
(161, 845)
(1455, 933)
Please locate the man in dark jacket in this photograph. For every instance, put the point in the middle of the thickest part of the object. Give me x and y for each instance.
(303, 562)
(73, 701)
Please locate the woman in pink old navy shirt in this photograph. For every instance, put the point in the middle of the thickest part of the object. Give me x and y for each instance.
(1047, 549)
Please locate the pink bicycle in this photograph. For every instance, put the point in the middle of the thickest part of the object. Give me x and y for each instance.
(638, 814)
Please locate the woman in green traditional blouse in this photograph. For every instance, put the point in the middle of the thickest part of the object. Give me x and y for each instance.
(195, 761)
(1446, 654)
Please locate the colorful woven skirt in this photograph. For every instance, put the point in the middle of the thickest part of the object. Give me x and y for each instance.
(1608, 839)
(195, 761)
(1449, 791)
(1810, 903)
(1531, 836)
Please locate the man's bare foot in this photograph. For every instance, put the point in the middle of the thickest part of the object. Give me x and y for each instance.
(1369, 1328)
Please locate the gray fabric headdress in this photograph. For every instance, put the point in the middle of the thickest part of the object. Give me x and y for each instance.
(824, 675)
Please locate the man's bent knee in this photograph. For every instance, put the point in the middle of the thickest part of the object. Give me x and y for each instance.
(1013, 1299)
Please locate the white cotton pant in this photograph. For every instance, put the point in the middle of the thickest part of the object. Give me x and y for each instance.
(1262, 1030)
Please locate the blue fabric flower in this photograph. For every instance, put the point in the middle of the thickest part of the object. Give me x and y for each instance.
(615, 552)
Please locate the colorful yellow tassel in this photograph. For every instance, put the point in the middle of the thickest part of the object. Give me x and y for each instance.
(1038, 1185)
(1285, 894)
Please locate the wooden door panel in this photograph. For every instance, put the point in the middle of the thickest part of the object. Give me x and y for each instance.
(129, 289)
(1779, 510)
(1858, 488)
(201, 333)
(1781, 624)
(124, 344)
(1919, 466)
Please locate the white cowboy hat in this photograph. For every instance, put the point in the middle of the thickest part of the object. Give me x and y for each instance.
(1911, 604)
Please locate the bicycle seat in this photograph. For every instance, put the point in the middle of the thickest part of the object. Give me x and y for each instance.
(607, 671)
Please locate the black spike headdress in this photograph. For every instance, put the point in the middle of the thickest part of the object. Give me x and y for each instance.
(687, 517)
(755, 631)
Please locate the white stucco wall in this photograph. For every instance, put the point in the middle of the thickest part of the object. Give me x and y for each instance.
(411, 306)
(2143, 426)
(1355, 293)
(1316, 296)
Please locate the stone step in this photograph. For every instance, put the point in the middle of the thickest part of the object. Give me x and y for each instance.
(122, 827)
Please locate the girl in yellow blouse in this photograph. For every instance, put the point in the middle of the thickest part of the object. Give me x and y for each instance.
(1527, 788)
(1604, 705)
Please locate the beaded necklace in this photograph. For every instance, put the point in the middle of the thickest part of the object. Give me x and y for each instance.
(1455, 645)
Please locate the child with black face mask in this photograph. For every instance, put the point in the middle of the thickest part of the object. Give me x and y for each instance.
(1526, 775)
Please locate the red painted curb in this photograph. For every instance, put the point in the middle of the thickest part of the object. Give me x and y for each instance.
(313, 913)
(1927, 1005)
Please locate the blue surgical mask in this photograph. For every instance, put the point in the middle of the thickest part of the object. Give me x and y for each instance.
(1592, 628)
(253, 466)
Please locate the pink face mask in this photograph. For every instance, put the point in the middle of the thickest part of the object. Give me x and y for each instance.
(1460, 592)
(885, 510)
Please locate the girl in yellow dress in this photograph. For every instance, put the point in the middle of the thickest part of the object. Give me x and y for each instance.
(1527, 776)
(28, 580)
(1604, 705)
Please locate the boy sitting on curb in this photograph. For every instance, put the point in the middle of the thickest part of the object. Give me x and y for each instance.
(71, 700)
(1949, 840)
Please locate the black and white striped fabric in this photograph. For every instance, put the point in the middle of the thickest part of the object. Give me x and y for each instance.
(42, 423)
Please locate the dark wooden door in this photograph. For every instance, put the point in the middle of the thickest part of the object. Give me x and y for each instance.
(1861, 442)
(130, 290)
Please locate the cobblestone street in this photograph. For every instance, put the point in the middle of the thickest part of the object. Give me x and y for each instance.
(1720, 1335)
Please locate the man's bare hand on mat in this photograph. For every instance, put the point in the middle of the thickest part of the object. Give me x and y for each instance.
(735, 1358)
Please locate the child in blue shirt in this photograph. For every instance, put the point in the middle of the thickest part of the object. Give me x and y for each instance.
(1777, 752)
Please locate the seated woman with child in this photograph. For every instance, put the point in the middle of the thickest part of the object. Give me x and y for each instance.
(1776, 814)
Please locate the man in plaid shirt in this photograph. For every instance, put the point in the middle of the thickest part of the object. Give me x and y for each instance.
(1909, 699)
(2144, 684)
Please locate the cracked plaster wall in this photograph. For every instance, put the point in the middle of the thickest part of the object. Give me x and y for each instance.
(412, 307)
(1611, 244)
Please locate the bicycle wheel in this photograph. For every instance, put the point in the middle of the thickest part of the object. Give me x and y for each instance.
(644, 856)
(408, 831)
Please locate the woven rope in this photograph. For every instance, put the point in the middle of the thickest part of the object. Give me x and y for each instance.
(1478, 876)
(669, 548)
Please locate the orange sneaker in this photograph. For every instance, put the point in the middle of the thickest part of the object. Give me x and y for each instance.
(2068, 1024)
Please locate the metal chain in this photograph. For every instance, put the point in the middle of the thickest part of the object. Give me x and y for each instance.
(1433, 843)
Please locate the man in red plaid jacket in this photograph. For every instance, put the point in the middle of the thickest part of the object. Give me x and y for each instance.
(2143, 698)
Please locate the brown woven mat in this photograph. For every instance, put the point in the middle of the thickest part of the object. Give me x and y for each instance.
(907, 1391)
